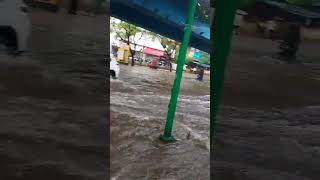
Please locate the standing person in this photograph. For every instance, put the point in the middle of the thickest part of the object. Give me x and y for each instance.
(73, 6)
(200, 74)
(169, 63)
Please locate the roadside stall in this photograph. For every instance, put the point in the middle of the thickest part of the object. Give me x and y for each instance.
(123, 55)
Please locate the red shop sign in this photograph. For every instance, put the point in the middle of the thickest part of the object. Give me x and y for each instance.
(154, 52)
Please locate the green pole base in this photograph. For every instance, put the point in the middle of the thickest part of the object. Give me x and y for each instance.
(167, 138)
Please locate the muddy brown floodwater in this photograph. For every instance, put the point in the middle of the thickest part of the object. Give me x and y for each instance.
(139, 100)
(53, 101)
(269, 122)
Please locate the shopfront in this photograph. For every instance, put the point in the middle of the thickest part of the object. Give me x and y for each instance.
(151, 53)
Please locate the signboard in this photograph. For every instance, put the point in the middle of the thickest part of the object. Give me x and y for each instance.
(154, 52)
(196, 55)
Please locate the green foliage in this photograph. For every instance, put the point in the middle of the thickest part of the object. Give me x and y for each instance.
(168, 45)
(126, 32)
(188, 59)
(176, 57)
(204, 58)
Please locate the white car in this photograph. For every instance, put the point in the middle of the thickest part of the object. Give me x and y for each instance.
(14, 25)
(114, 67)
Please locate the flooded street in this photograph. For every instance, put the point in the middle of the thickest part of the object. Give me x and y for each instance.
(53, 101)
(268, 126)
(139, 100)
(54, 112)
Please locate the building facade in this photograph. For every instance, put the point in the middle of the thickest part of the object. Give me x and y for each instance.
(146, 46)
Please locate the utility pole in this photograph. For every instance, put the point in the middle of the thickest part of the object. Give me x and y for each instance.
(167, 134)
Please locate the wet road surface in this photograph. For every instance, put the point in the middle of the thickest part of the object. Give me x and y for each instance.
(53, 109)
(269, 122)
(53, 101)
(139, 100)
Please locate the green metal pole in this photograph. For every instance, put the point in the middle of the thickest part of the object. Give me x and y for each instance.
(167, 135)
(222, 34)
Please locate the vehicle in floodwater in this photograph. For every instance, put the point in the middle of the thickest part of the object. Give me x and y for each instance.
(154, 63)
(114, 67)
(14, 25)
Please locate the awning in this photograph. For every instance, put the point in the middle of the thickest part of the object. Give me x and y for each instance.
(154, 52)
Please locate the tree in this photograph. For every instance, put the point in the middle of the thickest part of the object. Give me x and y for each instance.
(170, 46)
(129, 34)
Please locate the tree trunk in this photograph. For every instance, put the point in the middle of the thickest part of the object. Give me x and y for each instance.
(132, 59)
(170, 63)
(132, 52)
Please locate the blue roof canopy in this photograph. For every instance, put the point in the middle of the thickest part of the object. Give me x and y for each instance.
(165, 17)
